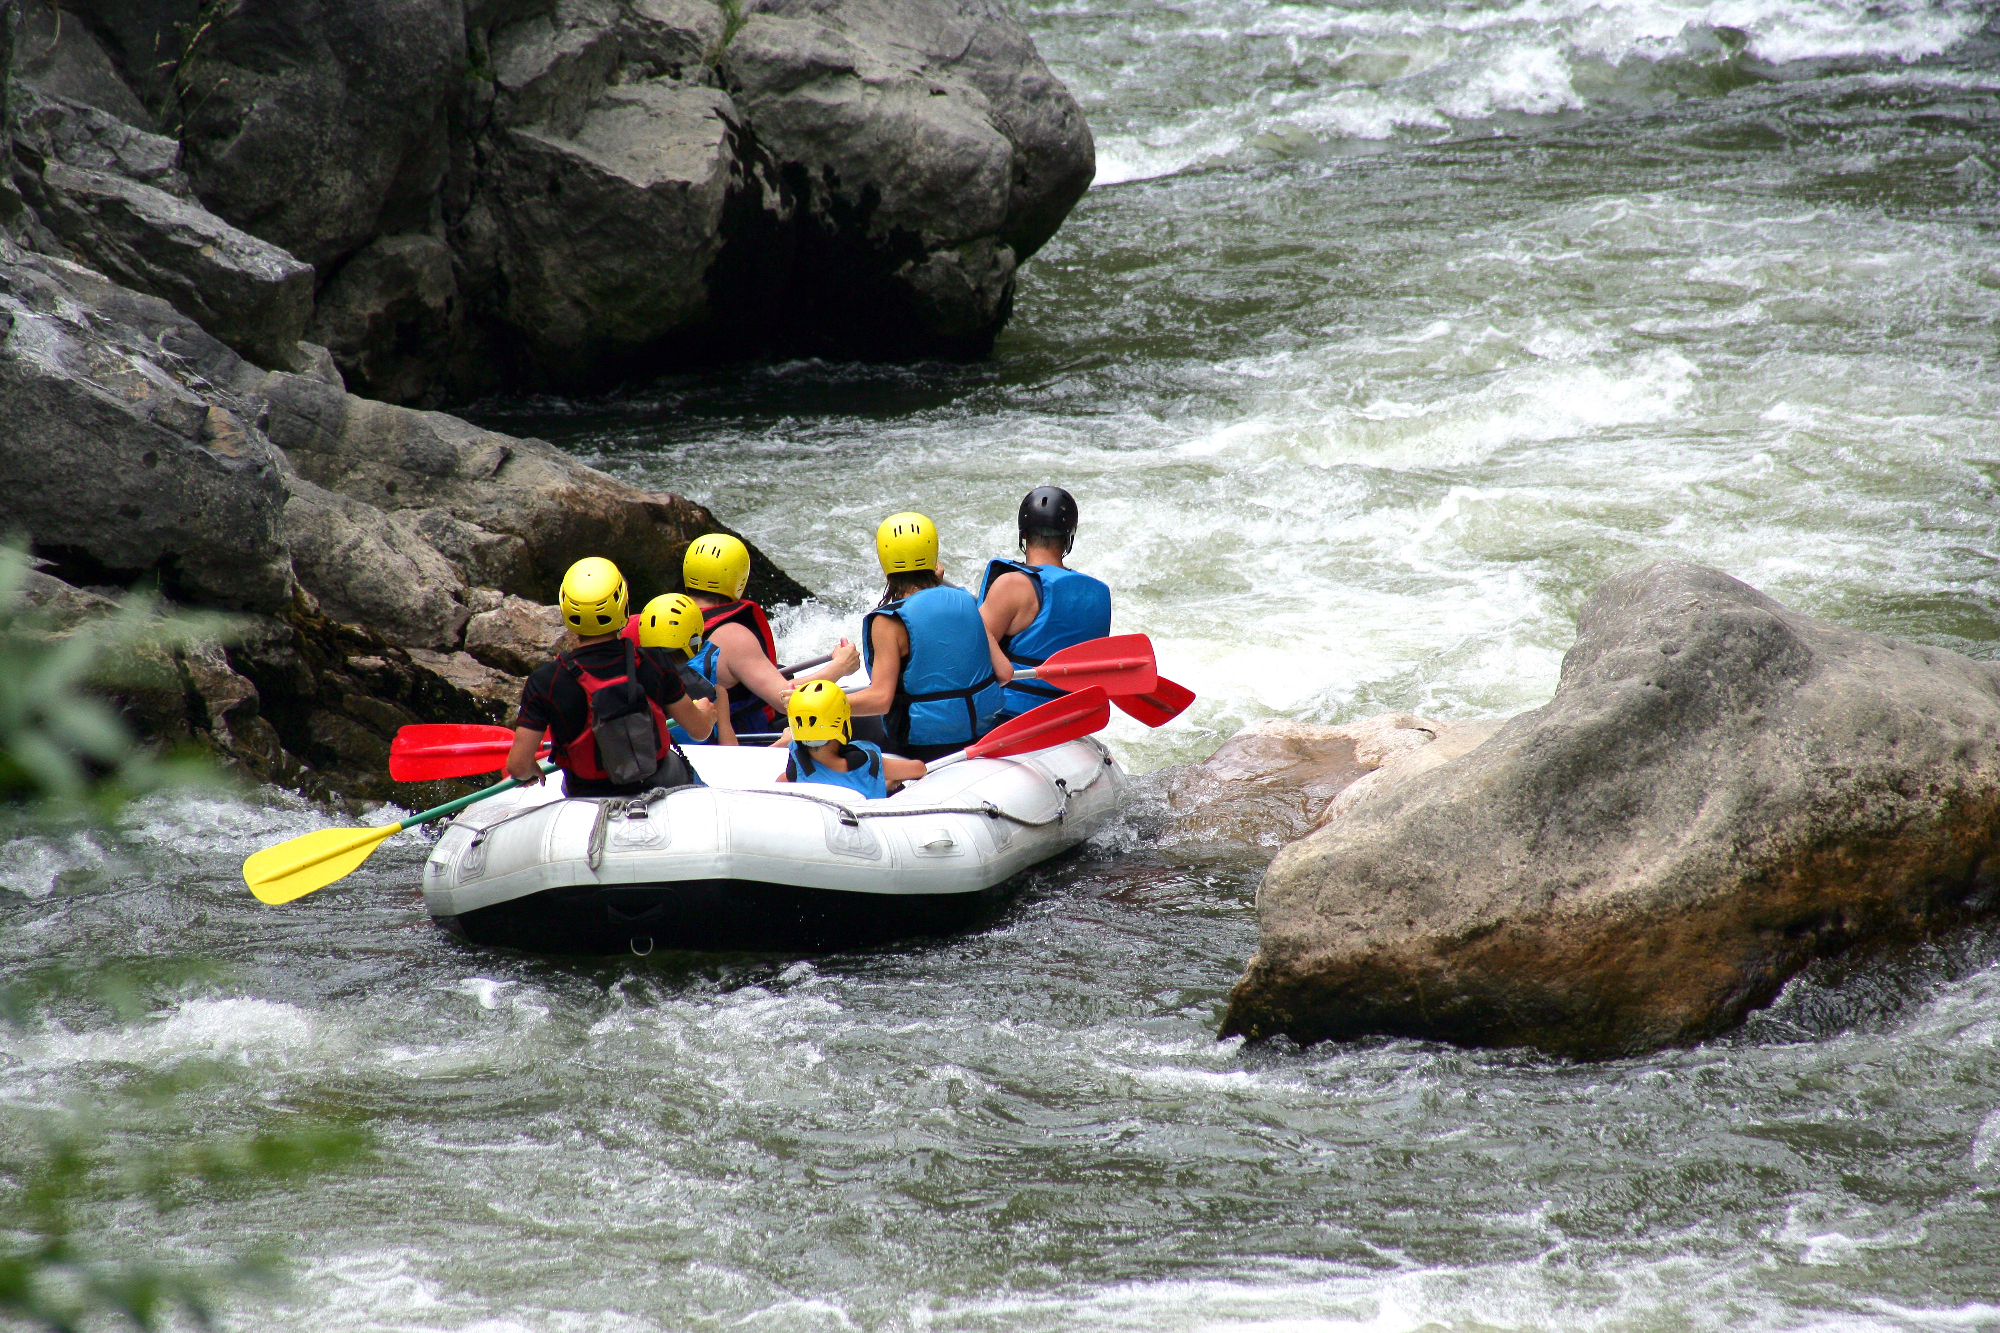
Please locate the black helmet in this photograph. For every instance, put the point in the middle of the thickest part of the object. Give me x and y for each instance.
(1049, 511)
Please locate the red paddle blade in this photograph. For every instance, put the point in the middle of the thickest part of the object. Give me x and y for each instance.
(428, 751)
(1168, 700)
(424, 735)
(1055, 722)
(1120, 664)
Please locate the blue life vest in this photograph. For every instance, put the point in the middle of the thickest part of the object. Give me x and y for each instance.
(864, 769)
(747, 712)
(947, 693)
(1075, 608)
(698, 686)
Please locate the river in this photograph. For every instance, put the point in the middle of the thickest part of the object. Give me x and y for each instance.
(1387, 332)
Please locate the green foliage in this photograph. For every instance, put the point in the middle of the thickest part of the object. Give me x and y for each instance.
(63, 749)
(67, 754)
(733, 19)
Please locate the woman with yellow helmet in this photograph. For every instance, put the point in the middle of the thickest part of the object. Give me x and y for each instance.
(823, 748)
(739, 654)
(934, 672)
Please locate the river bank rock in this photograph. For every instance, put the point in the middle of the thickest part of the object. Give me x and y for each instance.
(560, 194)
(1278, 780)
(137, 450)
(1720, 792)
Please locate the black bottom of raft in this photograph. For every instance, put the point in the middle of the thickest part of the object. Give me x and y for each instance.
(716, 915)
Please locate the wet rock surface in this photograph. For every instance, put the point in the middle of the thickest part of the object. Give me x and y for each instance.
(1277, 780)
(1721, 792)
(560, 194)
(137, 450)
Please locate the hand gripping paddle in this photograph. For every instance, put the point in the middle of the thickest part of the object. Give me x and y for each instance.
(294, 869)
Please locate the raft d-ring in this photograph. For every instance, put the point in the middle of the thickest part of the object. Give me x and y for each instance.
(638, 940)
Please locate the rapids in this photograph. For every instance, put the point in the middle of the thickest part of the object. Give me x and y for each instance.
(1388, 331)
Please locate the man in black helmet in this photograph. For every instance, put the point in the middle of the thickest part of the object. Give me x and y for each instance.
(1036, 606)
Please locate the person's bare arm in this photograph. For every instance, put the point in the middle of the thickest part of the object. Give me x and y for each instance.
(1010, 605)
(687, 711)
(521, 765)
(898, 769)
(889, 641)
(1003, 670)
(742, 662)
(725, 730)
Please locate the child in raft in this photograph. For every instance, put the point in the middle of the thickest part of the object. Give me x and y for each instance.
(673, 623)
(823, 748)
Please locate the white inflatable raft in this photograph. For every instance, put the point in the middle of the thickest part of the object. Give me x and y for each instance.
(750, 863)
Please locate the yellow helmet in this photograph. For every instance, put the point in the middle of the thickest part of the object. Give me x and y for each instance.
(818, 711)
(671, 621)
(906, 542)
(717, 563)
(593, 597)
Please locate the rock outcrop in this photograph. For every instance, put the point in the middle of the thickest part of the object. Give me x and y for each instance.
(1720, 792)
(136, 449)
(560, 193)
(1278, 780)
(117, 463)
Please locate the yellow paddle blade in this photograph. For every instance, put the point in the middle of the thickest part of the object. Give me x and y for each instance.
(294, 869)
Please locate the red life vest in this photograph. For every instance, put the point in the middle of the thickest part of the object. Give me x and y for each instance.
(580, 755)
(741, 612)
(747, 712)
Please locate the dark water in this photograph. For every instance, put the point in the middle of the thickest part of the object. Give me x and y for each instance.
(1387, 334)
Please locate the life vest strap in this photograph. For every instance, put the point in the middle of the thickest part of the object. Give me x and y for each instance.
(934, 695)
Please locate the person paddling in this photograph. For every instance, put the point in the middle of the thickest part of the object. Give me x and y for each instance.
(1036, 606)
(934, 673)
(740, 655)
(823, 748)
(604, 703)
(673, 623)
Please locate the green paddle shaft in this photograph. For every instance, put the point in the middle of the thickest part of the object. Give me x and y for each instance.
(453, 807)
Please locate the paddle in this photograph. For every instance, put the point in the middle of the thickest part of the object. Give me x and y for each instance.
(294, 869)
(1167, 701)
(1054, 723)
(796, 667)
(427, 751)
(1120, 664)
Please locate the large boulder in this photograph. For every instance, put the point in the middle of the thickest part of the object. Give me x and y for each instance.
(372, 568)
(930, 152)
(518, 194)
(509, 513)
(317, 126)
(113, 195)
(607, 234)
(247, 292)
(1277, 780)
(116, 456)
(1720, 792)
